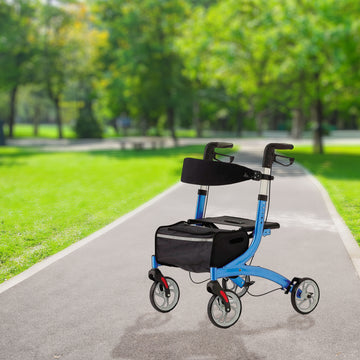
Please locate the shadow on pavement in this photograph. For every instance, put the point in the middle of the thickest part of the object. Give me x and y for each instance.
(148, 339)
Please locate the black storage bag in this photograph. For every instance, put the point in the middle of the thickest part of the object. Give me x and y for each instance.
(197, 248)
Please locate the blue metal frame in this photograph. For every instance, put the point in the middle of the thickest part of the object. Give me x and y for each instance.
(200, 206)
(238, 267)
(154, 263)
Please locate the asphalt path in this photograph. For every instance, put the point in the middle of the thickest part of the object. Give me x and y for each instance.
(94, 303)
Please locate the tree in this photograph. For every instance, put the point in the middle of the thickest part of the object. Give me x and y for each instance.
(228, 44)
(57, 20)
(310, 31)
(143, 34)
(84, 71)
(18, 48)
(278, 58)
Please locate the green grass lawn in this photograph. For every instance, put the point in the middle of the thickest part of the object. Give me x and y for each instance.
(49, 131)
(339, 171)
(50, 200)
(45, 131)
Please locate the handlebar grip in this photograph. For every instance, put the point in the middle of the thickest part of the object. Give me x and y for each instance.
(283, 146)
(269, 152)
(209, 152)
(223, 145)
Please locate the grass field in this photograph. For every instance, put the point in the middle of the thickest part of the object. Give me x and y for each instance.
(49, 131)
(339, 171)
(50, 200)
(45, 131)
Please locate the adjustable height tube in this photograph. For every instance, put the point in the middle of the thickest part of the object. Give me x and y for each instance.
(201, 202)
(264, 185)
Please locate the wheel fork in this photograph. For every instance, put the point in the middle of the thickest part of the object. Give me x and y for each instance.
(157, 276)
(213, 287)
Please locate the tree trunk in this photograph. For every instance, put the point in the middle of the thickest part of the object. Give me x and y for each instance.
(36, 120)
(58, 117)
(259, 119)
(239, 122)
(298, 119)
(317, 111)
(143, 126)
(2, 135)
(298, 122)
(171, 123)
(12, 110)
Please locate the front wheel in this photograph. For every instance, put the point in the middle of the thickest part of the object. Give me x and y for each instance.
(305, 296)
(158, 297)
(217, 313)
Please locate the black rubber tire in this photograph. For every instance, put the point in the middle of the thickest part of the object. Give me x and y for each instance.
(157, 290)
(295, 299)
(216, 301)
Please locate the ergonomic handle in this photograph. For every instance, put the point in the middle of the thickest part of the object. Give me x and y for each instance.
(209, 152)
(269, 153)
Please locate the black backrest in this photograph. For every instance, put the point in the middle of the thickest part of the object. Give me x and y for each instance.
(209, 173)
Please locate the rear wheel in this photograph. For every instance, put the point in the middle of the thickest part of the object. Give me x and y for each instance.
(217, 312)
(240, 291)
(158, 297)
(305, 296)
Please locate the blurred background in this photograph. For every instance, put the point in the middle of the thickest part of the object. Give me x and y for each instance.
(179, 68)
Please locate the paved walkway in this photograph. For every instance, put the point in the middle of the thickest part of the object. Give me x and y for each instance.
(94, 304)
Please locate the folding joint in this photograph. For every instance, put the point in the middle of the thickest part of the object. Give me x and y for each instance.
(266, 232)
(257, 176)
(213, 287)
(266, 177)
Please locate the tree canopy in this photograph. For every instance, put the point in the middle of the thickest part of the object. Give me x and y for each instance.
(225, 65)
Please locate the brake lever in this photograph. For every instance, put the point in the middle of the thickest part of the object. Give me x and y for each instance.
(291, 160)
(231, 158)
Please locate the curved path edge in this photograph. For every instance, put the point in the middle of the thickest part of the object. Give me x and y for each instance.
(77, 245)
(346, 236)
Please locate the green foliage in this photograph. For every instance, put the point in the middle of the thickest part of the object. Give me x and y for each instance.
(86, 125)
(18, 42)
(275, 56)
(144, 74)
(181, 63)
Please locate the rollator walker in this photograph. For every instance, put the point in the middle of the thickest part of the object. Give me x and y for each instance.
(200, 245)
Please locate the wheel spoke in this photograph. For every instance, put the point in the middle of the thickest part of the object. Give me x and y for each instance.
(302, 302)
(219, 305)
(306, 286)
(158, 297)
(161, 299)
(305, 296)
(217, 311)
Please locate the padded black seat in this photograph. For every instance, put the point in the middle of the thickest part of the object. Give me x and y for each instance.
(243, 224)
